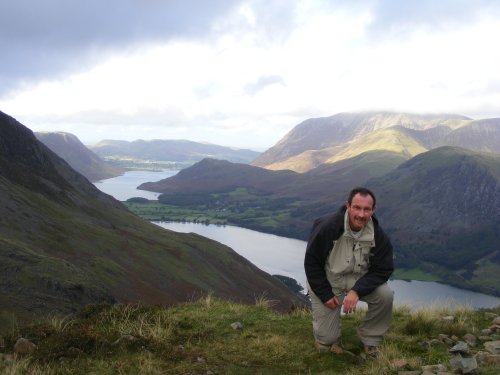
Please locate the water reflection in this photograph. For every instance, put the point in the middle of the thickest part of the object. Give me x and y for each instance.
(285, 256)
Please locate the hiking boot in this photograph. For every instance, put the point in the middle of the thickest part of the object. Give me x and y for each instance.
(322, 348)
(336, 349)
(372, 351)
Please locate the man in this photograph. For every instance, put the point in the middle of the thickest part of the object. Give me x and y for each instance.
(349, 258)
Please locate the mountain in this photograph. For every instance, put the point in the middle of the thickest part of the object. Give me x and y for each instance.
(213, 175)
(441, 207)
(329, 139)
(63, 243)
(442, 210)
(79, 157)
(167, 153)
(293, 199)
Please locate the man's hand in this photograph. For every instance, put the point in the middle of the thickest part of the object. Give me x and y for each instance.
(350, 302)
(332, 303)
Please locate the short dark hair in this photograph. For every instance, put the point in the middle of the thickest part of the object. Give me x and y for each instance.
(362, 191)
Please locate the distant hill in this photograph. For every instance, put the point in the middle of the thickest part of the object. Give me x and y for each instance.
(329, 139)
(167, 153)
(63, 243)
(441, 207)
(212, 176)
(79, 157)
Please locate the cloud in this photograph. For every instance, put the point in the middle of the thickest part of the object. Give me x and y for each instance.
(50, 38)
(263, 82)
(241, 73)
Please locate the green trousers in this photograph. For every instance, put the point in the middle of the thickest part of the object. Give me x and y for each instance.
(327, 322)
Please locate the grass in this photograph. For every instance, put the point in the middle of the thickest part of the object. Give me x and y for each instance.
(197, 337)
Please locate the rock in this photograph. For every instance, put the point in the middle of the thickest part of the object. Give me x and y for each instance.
(236, 325)
(449, 318)
(481, 357)
(467, 365)
(461, 347)
(495, 328)
(200, 360)
(470, 339)
(24, 346)
(496, 321)
(428, 373)
(492, 346)
(414, 372)
(486, 332)
(434, 368)
(446, 339)
(424, 344)
(490, 315)
(485, 338)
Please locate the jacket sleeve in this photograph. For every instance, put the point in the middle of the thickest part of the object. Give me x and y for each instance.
(380, 268)
(318, 248)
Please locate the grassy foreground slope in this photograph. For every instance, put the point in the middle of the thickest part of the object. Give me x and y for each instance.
(198, 338)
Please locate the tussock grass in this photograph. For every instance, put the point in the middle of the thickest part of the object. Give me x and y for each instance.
(197, 337)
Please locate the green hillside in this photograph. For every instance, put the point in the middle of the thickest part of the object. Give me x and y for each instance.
(442, 209)
(390, 139)
(64, 244)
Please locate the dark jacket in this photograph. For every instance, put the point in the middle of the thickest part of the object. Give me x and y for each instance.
(324, 232)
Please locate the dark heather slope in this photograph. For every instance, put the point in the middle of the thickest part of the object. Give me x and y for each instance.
(63, 243)
(79, 157)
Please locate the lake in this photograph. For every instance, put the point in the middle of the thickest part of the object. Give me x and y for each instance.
(125, 186)
(285, 256)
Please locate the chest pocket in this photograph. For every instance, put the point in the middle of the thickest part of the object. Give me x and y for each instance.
(362, 256)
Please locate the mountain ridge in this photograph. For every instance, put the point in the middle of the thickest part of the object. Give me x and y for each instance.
(332, 136)
(163, 152)
(78, 156)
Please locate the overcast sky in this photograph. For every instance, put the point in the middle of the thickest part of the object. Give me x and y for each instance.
(241, 73)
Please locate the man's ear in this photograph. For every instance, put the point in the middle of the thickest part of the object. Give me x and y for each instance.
(346, 204)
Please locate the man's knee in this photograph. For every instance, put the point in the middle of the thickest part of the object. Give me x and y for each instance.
(381, 295)
(326, 325)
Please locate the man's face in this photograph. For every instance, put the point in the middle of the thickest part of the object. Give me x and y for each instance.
(359, 211)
